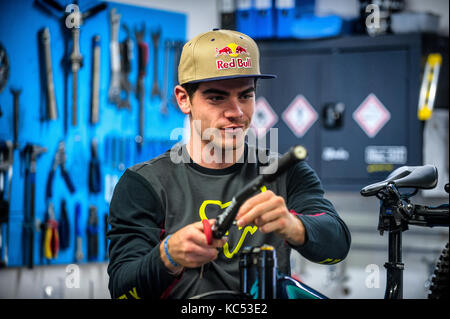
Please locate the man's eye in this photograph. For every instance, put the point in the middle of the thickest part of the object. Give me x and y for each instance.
(247, 96)
(216, 98)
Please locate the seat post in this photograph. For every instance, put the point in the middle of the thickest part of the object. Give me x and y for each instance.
(394, 266)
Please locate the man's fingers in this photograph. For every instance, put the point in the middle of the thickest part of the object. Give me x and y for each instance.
(259, 210)
(218, 243)
(200, 238)
(268, 217)
(272, 226)
(252, 201)
(199, 225)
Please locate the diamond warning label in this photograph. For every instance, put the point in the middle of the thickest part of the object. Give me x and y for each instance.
(299, 116)
(264, 118)
(371, 115)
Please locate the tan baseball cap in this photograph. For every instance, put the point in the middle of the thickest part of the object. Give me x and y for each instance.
(219, 55)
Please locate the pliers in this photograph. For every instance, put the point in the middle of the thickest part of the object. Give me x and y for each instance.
(51, 239)
(59, 160)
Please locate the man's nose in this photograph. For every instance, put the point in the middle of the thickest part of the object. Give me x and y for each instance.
(234, 109)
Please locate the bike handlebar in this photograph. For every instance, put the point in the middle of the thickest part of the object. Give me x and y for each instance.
(429, 216)
(271, 172)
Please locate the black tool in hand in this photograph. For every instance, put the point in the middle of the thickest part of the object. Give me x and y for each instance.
(276, 168)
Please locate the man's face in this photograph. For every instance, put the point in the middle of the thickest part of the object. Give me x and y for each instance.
(221, 111)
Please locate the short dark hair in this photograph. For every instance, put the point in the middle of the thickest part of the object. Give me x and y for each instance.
(191, 88)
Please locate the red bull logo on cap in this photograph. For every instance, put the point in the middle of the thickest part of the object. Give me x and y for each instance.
(233, 50)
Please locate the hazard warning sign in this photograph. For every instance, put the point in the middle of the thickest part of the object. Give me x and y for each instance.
(299, 116)
(371, 115)
(264, 117)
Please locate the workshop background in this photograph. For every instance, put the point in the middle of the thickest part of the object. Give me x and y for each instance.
(82, 100)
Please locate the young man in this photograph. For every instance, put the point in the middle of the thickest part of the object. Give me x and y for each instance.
(157, 245)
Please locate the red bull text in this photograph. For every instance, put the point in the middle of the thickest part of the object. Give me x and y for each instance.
(234, 63)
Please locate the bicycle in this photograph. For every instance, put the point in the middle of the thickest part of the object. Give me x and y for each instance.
(397, 212)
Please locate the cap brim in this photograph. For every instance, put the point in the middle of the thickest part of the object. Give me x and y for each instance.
(259, 76)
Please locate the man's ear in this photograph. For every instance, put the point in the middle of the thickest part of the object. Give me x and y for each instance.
(183, 100)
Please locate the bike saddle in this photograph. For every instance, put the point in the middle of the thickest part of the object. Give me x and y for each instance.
(423, 177)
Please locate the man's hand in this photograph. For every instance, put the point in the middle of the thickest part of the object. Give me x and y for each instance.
(269, 212)
(188, 248)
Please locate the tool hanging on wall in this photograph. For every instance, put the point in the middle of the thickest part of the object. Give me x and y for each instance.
(121, 156)
(140, 89)
(4, 71)
(76, 60)
(105, 230)
(59, 160)
(30, 154)
(92, 233)
(51, 235)
(94, 170)
(429, 86)
(79, 239)
(177, 47)
(114, 84)
(126, 56)
(72, 18)
(51, 110)
(64, 227)
(16, 106)
(164, 110)
(6, 168)
(95, 79)
(155, 41)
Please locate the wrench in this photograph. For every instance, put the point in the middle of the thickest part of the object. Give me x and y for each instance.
(114, 85)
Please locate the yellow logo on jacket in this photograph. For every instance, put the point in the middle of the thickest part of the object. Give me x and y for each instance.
(245, 231)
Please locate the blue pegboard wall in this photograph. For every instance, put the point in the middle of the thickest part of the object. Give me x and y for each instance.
(115, 132)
